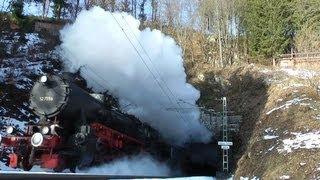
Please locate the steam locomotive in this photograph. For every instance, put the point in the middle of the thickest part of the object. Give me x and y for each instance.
(77, 130)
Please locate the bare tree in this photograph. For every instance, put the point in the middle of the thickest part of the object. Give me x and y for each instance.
(109, 5)
(76, 8)
(45, 8)
(171, 11)
(125, 6)
(154, 6)
(134, 8)
(142, 15)
(86, 4)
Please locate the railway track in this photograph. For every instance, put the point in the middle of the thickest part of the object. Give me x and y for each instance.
(41, 175)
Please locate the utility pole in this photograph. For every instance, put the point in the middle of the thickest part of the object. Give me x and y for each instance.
(225, 123)
(225, 135)
(219, 31)
(225, 144)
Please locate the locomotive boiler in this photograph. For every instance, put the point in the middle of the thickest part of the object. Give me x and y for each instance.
(76, 129)
(59, 97)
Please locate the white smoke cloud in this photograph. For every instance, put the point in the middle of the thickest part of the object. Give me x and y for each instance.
(141, 165)
(97, 43)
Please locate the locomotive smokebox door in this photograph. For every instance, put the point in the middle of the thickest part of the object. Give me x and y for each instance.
(55, 95)
(48, 96)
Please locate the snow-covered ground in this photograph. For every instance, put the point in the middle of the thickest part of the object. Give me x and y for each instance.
(284, 177)
(24, 60)
(286, 105)
(248, 178)
(28, 42)
(270, 134)
(267, 137)
(293, 95)
(21, 63)
(13, 122)
(300, 73)
(17, 71)
(310, 140)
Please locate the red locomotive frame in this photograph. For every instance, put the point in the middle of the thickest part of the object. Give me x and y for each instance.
(47, 155)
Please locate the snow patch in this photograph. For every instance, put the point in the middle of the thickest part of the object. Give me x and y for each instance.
(13, 122)
(284, 177)
(247, 178)
(268, 137)
(295, 85)
(16, 70)
(265, 71)
(25, 112)
(295, 101)
(302, 163)
(300, 73)
(269, 134)
(309, 140)
(270, 149)
(3, 111)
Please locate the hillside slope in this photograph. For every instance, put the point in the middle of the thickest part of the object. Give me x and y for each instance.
(23, 57)
(279, 136)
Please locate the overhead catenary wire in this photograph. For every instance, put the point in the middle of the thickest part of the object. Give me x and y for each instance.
(96, 82)
(148, 68)
(154, 67)
(88, 67)
(149, 58)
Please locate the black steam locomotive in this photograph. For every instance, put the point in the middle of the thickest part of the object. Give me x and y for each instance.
(76, 129)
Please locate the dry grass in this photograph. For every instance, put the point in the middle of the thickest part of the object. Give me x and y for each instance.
(296, 118)
(252, 93)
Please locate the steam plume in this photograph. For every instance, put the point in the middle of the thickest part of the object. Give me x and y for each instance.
(133, 166)
(96, 42)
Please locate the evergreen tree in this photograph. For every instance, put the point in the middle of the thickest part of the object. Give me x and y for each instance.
(307, 20)
(17, 9)
(269, 26)
(58, 7)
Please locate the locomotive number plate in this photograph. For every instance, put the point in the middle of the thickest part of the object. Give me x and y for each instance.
(46, 98)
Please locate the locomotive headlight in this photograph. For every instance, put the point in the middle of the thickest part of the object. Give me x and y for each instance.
(9, 129)
(36, 139)
(45, 130)
(43, 79)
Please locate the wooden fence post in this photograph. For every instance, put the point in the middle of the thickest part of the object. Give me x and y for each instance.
(274, 62)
